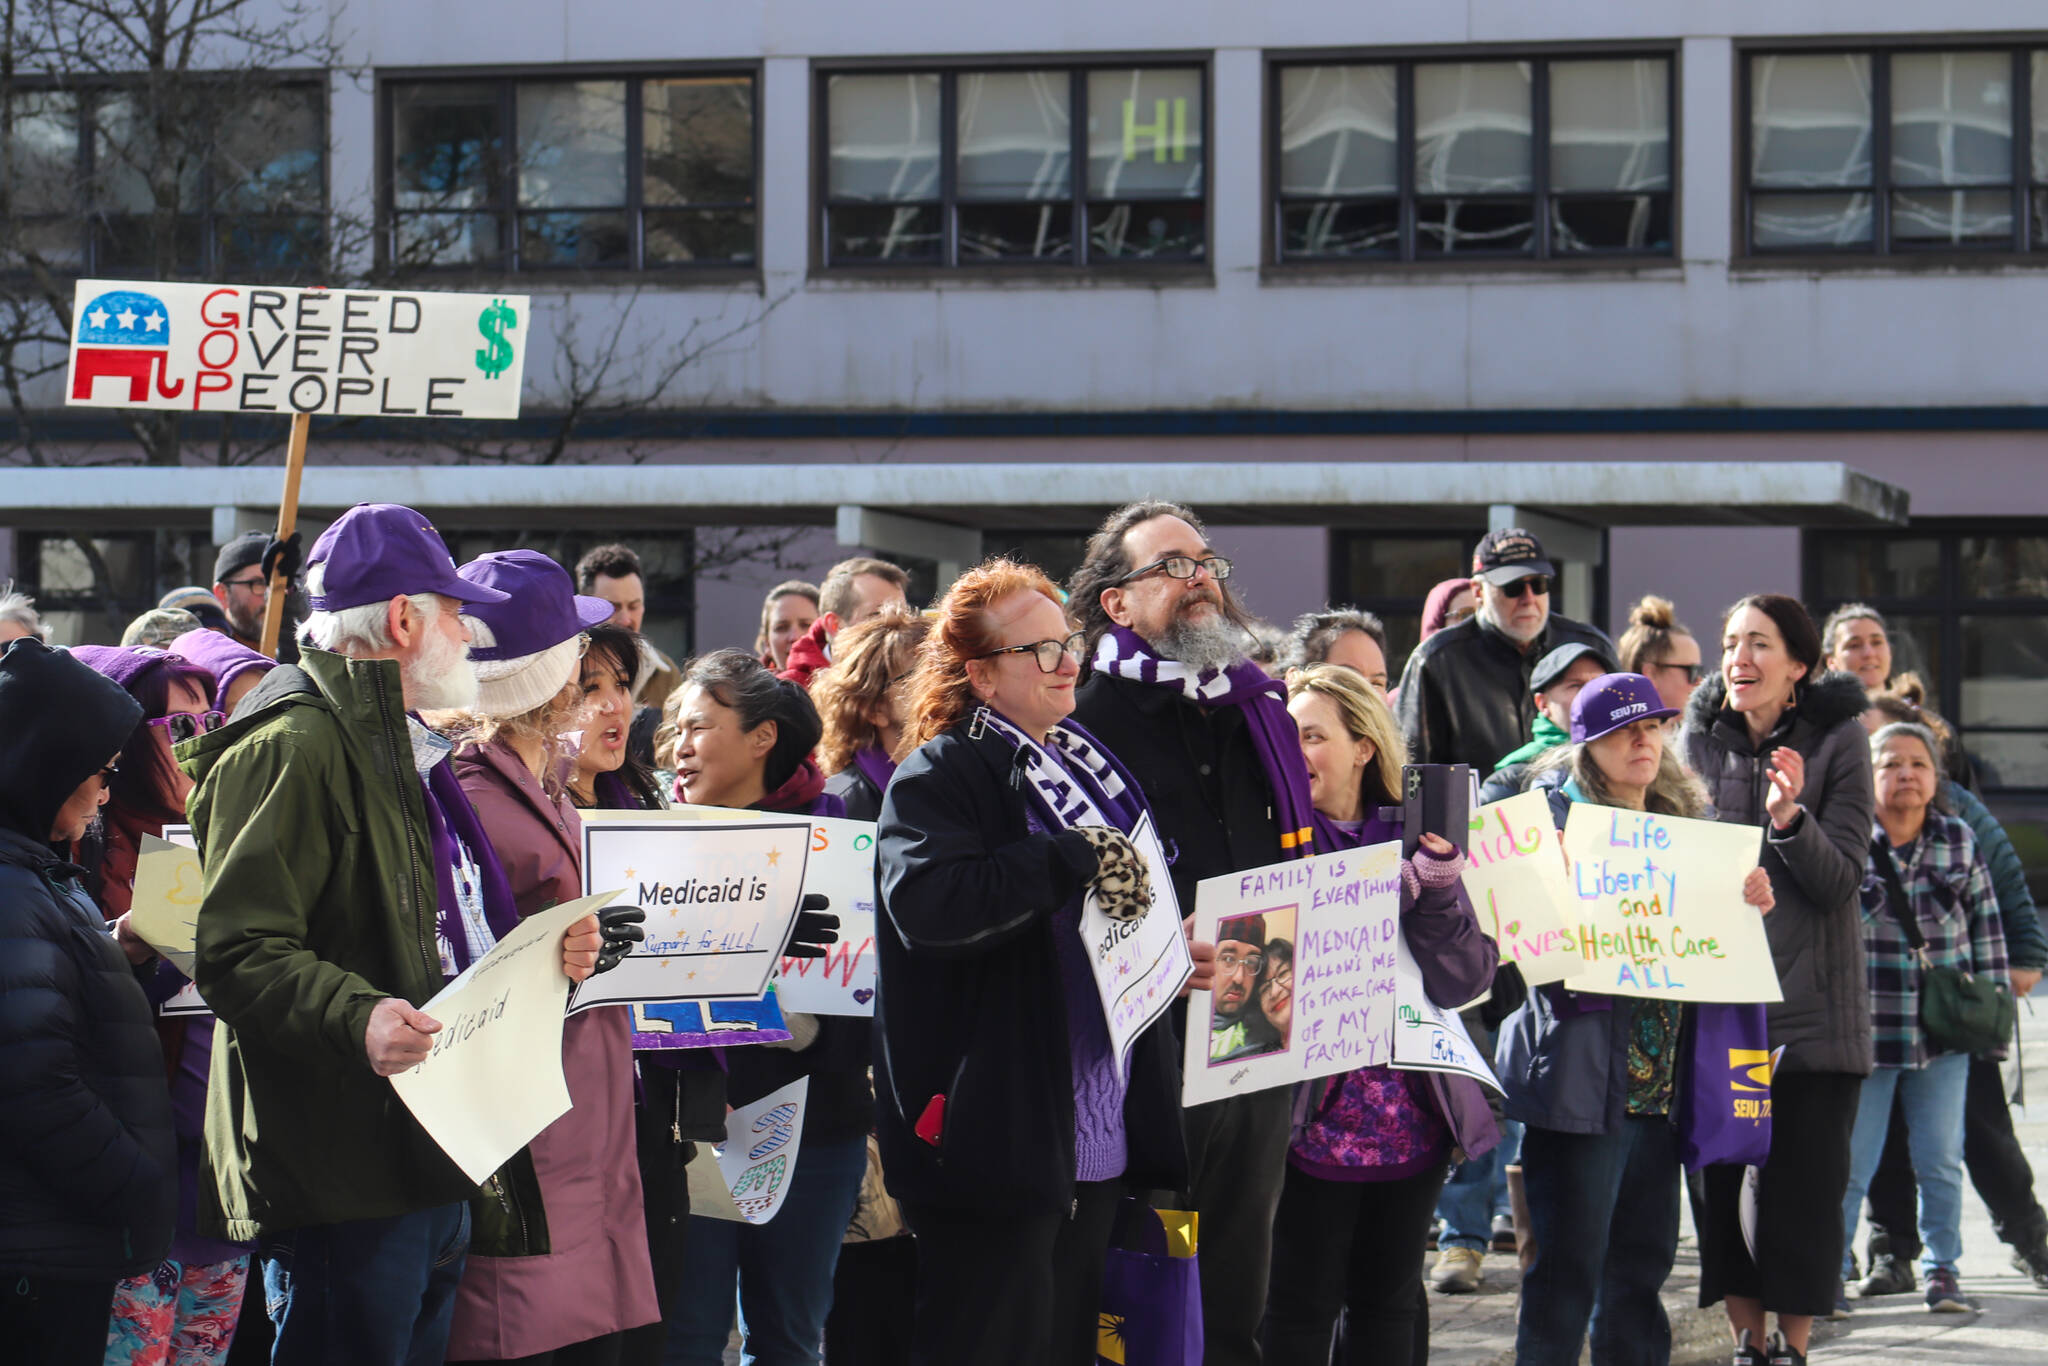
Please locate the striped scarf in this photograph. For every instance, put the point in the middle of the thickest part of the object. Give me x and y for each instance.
(1122, 653)
(1083, 785)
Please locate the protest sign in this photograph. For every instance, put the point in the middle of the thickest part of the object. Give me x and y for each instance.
(218, 348)
(162, 917)
(708, 1024)
(720, 896)
(1428, 1037)
(1659, 905)
(1140, 966)
(746, 1177)
(494, 1078)
(1312, 991)
(1515, 875)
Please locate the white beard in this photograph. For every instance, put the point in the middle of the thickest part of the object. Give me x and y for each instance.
(1202, 646)
(440, 677)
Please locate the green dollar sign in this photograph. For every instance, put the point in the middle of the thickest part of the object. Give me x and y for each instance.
(495, 356)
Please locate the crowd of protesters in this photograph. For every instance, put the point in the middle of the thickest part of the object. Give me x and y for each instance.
(200, 1188)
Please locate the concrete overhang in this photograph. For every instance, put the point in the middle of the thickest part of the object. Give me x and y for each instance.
(1008, 496)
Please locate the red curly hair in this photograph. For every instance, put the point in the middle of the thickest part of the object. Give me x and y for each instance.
(940, 695)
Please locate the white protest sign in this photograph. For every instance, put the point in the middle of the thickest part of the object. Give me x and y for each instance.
(1427, 1037)
(165, 907)
(219, 348)
(1660, 912)
(1333, 919)
(494, 1078)
(842, 870)
(187, 1001)
(747, 1176)
(1140, 966)
(1515, 875)
(720, 897)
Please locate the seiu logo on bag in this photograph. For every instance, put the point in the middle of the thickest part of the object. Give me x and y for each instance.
(1749, 1070)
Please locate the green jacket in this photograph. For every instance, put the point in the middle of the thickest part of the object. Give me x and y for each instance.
(1545, 735)
(319, 900)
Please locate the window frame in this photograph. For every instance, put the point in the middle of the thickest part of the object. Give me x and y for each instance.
(1081, 263)
(91, 219)
(508, 210)
(1540, 255)
(2021, 185)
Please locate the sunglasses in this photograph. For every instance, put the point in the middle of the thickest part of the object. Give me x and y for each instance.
(1693, 672)
(109, 773)
(1539, 584)
(182, 726)
(1048, 653)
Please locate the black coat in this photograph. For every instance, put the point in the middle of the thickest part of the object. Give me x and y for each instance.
(969, 1001)
(862, 798)
(1465, 695)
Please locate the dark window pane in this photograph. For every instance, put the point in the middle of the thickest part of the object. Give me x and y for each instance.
(1789, 222)
(1169, 227)
(572, 144)
(1610, 125)
(1955, 217)
(271, 246)
(1468, 226)
(680, 236)
(882, 137)
(1145, 134)
(1349, 228)
(1866, 568)
(2010, 758)
(1810, 120)
(134, 246)
(269, 157)
(2005, 671)
(1377, 566)
(58, 243)
(1951, 118)
(1015, 140)
(2004, 566)
(698, 141)
(40, 171)
(1916, 648)
(884, 232)
(1636, 222)
(582, 241)
(446, 146)
(134, 174)
(1338, 131)
(1473, 128)
(1016, 232)
(447, 239)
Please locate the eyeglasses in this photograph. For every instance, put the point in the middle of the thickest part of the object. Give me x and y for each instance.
(258, 582)
(1253, 963)
(1183, 567)
(109, 773)
(182, 726)
(1539, 584)
(1048, 653)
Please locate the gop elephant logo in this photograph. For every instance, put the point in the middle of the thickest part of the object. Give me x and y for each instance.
(124, 334)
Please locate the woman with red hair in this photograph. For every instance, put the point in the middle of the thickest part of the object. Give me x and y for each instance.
(1010, 1130)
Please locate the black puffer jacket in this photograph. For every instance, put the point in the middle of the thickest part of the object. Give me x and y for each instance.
(1465, 695)
(1816, 867)
(88, 1164)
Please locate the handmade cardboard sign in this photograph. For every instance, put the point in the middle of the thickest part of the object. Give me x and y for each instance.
(494, 1078)
(746, 1177)
(164, 896)
(1660, 912)
(720, 897)
(1515, 875)
(708, 1024)
(1305, 972)
(1428, 1037)
(1140, 966)
(249, 349)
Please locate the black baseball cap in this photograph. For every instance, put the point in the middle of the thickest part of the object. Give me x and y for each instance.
(245, 550)
(1551, 667)
(1508, 554)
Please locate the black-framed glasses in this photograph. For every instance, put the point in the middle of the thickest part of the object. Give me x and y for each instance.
(1048, 653)
(1539, 584)
(1183, 567)
(109, 773)
(182, 726)
(258, 582)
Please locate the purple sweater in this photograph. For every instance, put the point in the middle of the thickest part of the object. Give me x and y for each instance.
(1099, 1083)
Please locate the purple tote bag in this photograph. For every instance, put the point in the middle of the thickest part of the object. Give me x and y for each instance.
(1151, 1300)
(1724, 1103)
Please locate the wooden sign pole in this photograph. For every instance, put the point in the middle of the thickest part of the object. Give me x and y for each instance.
(287, 519)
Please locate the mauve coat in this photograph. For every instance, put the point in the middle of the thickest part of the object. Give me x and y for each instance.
(597, 1279)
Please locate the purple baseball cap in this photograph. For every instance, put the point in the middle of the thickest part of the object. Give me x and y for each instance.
(379, 551)
(1612, 701)
(534, 605)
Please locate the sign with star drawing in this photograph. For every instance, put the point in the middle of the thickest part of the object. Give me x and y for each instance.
(720, 897)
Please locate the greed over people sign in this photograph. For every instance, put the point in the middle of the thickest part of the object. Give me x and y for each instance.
(257, 349)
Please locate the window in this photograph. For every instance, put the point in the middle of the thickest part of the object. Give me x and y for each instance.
(1431, 160)
(572, 173)
(89, 585)
(1897, 151)
(1049, 167)
(1390, 575)
(1968, 610)
(246, 179)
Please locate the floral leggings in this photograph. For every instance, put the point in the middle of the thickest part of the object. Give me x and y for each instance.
(178, 1315)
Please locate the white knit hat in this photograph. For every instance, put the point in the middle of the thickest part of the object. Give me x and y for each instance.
(513, 687)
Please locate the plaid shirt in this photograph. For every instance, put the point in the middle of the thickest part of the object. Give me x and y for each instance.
(1949, 890)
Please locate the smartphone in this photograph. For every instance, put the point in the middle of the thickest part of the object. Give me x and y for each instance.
(1437, 799)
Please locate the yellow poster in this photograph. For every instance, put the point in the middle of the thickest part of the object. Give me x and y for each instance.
(1515, 875)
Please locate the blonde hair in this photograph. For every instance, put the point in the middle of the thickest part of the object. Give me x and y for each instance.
(1651, 625)
(1673, 792)
(544, 725)
(863, 662)
(1365, 717)
(940, 694)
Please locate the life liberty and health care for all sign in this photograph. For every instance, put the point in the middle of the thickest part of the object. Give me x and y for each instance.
(258, 349)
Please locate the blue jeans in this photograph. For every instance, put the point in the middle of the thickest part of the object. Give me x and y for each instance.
(1932, 1099)
(1605, 1211)
(368, 1291)
(782, 1269)
(1478, 1191)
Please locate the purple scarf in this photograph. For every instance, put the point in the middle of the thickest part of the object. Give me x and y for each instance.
(1330, 837)
(1122, 653)
(449, 816)
(1070, 762)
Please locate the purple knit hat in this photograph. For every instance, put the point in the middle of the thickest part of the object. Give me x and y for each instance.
(128, 665)
(224, 657)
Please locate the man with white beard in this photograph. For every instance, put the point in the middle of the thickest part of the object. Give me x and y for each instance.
(1465, 695)
(346, 880)
(1207, 733)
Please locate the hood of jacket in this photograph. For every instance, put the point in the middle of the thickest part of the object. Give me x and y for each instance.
(1823, 702)
(60, 722)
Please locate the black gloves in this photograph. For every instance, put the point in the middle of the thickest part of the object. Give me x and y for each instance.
(814, 931)
(622, 927)
(286, 557)
(1509, 992)
(1122, 886)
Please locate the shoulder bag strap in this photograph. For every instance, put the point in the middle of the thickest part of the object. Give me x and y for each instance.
(1895, 898)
